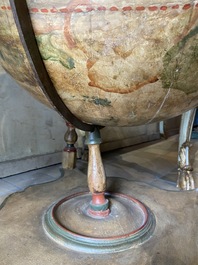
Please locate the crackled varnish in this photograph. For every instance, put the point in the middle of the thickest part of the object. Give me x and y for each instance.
(112, 62)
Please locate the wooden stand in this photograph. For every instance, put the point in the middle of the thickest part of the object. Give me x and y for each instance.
(96, 176)
(69, 152)
(100, 222)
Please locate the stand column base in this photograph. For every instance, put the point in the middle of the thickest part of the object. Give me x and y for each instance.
(99, 206)
(70, 224)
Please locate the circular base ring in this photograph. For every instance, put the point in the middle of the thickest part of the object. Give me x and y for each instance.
(69, 224)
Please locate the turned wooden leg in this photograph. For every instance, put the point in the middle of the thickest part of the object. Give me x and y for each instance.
(96, 176)
(69, 152)
(185, 179)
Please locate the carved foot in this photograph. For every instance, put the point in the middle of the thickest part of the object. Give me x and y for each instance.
(185, 179)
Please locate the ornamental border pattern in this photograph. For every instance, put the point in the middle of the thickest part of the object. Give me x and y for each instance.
(89, 8)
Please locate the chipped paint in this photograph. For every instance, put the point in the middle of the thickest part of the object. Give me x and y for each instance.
(98, 101)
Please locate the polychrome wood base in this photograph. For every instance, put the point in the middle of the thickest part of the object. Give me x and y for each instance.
(69, 223)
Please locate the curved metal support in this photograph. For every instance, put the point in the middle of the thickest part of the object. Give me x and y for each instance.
(185, 179)
(24, 25)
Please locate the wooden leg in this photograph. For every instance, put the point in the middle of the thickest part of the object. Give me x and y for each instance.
(185, 179)
(69, 152)
(96, 176)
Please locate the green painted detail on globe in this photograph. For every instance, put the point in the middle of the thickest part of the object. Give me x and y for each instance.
(98, 101)
(50, 52)
(180, 63)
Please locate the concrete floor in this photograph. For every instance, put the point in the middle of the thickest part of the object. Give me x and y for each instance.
(148, 172)
(19, 182)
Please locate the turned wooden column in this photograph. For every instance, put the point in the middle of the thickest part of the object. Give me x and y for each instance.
(96, 176)
(69, 152)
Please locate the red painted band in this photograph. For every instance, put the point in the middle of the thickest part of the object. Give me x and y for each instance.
(70, 149)
(44, 10)
(140, 8)
(153, 8)
(34, 10)
(98, 198)
(127, 8)
(163, 8)
(112, 8)
(187, 6)
(99, 213)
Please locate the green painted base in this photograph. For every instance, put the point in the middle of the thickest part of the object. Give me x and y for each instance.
(69, 224)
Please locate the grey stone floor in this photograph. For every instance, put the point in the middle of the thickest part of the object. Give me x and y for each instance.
(19, 182)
